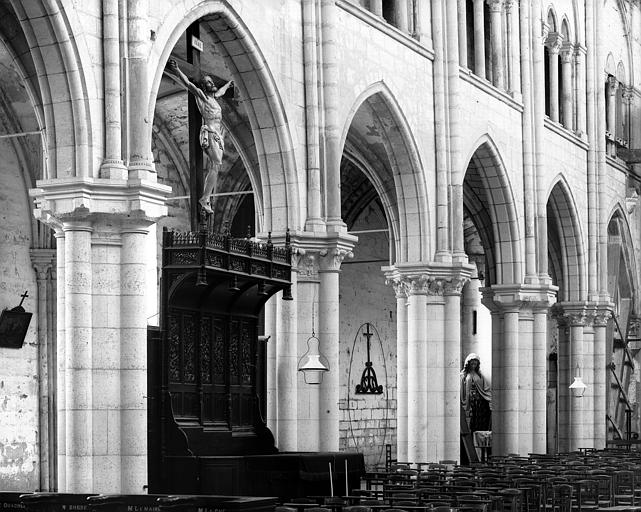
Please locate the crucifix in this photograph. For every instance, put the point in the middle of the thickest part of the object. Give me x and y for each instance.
(205, 128)
(369, 384)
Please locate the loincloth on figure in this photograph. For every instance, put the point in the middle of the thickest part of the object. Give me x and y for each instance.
(205, 132)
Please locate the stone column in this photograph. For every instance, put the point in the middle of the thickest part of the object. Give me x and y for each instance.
(376, 6)
(600, 378)
(77, 385)
(61, 345)
(462, 32)
(285, 338)
(329, 25)
(567, 53)
(571, 364)
(132, 368)
(518, 366)
(587, 372)
(513, 46)
(539, 376)
(112, 165)
(626, 125)
(471, 298)
(417, 400)
(496, 34)
(479, 39)
(433, 373)
(328, 330)
(138, 127)
(308, 396)
(451, 367)
(102, 335)
(401, 15)
(579, 63)
(554, 46)
(44, 261)
(611, 121)
(401, 370)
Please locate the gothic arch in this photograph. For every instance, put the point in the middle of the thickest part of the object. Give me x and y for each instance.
(624, 11)
(489, 201)
(268, 123)
(610, 66)
(392, 165)
(621, 74)
(56, 58)
(626, 288)
(566, 29)
(551, 18)
(566, 248)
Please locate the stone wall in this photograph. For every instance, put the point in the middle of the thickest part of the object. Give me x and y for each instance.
(367, 422)
(19, 452)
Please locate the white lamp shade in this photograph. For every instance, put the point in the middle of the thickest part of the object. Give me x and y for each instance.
(311, 365)
(578, 387)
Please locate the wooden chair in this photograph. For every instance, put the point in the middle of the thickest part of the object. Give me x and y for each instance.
(623, 487)
(510, 500)
(561, 498)
(357, 508)
(586, 495)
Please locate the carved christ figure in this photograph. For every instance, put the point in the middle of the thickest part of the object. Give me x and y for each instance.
(211, 132)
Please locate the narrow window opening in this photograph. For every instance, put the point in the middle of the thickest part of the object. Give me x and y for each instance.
(388, 11)
(474, 321)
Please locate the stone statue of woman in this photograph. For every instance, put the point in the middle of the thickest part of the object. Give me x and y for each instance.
(476, 395)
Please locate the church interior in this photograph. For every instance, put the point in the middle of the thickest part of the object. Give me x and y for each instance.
(401, 187)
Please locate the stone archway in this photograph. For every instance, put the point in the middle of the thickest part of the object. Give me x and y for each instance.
(258, 129)
(383, 202)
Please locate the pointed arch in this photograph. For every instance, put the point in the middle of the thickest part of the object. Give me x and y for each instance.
(623, 282)
(626, 21)
(610, 65)
(261, 99)
(566, 30)
(551, 18)
(489, 201)
(567, 248)
(58, 58)
(392, 165)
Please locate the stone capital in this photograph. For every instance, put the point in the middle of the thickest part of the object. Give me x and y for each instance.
(554, 41)
(574, 314)
(331, 259)
(495, 5)
(400, 288)
(60, 201)
(43, 261)
(432, 278)
(519, 297)
(602, 317)
(314, 253)
(580, 51)
(567, 52)
(417, 285)
(545, 31)
(627, 94)
(305, 264)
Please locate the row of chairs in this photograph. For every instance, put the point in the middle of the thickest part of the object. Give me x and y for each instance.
(588, 481)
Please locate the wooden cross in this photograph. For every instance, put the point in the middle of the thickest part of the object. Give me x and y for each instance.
(194, 121)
